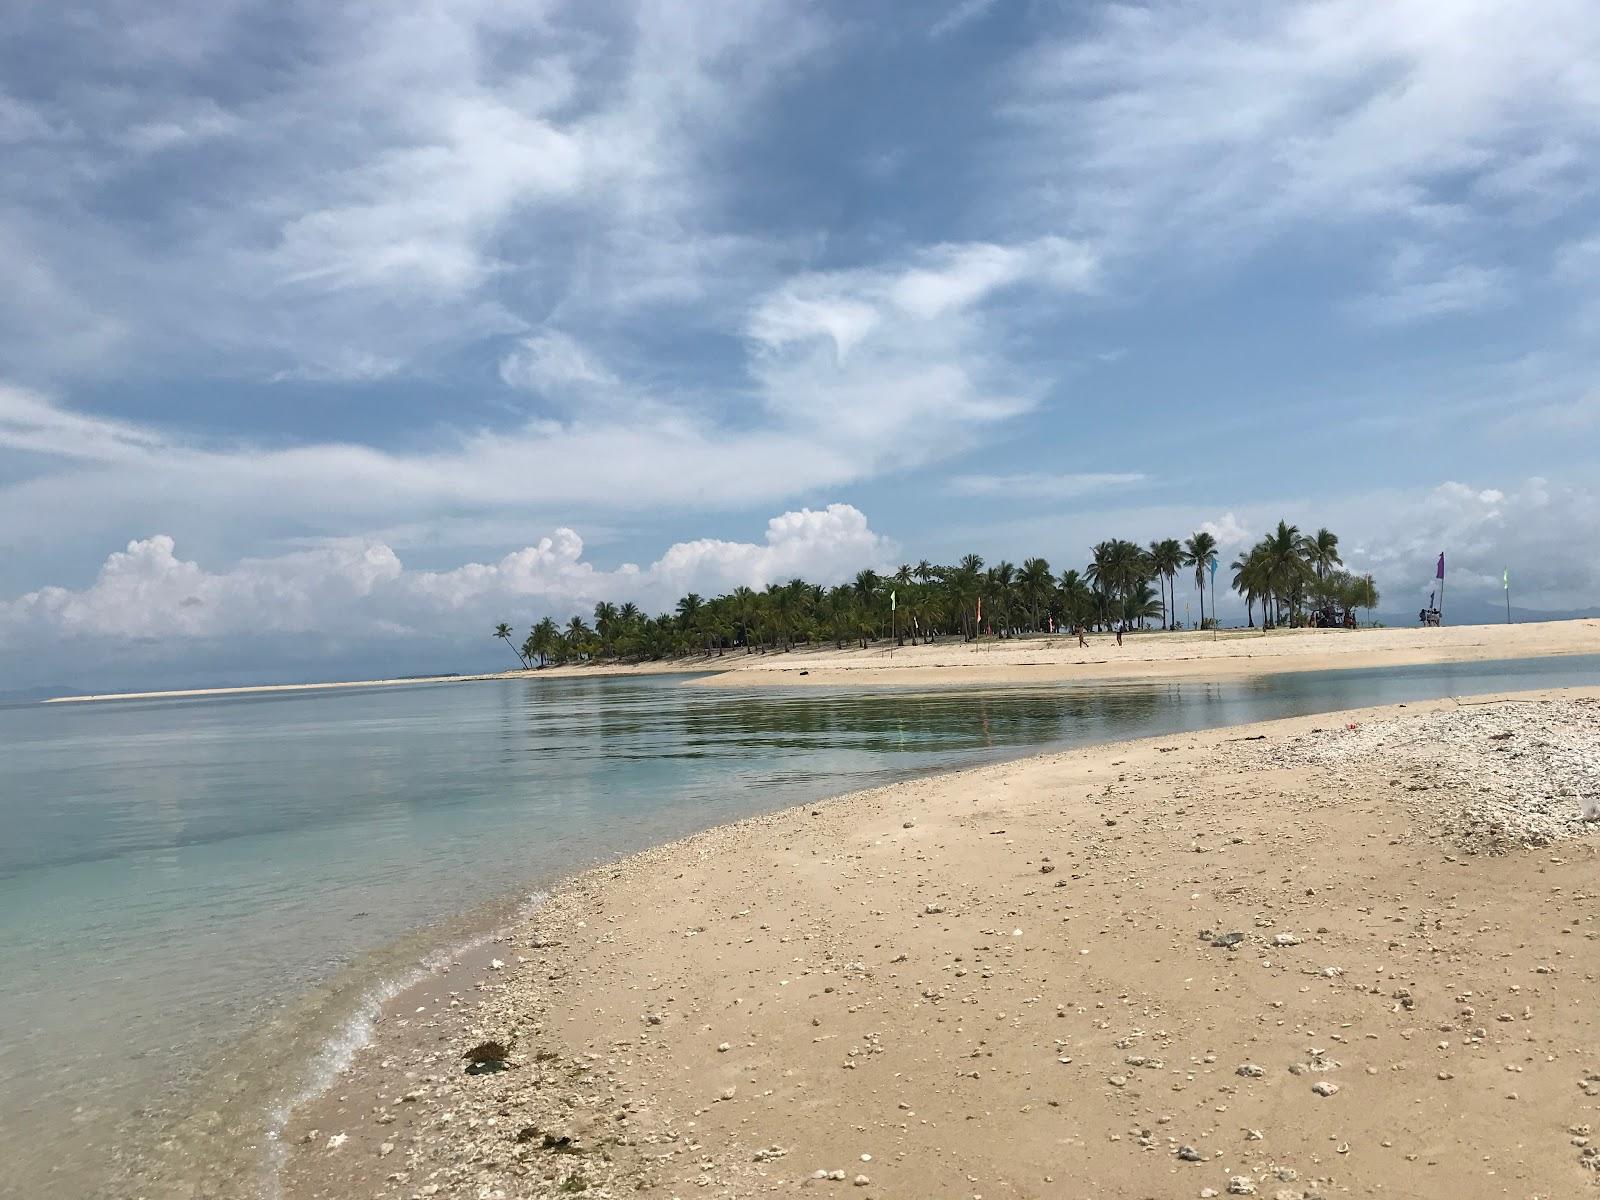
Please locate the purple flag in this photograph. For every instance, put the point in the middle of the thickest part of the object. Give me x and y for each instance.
(1439, 574)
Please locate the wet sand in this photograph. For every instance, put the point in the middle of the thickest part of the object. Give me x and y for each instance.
(1342, 955)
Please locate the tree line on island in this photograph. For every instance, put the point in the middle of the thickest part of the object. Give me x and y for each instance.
(1290, 577)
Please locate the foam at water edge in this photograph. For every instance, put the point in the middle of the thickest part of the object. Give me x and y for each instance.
(340, 1049)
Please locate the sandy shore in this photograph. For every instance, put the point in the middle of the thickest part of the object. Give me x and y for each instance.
(1346, 955)
(1230, 654)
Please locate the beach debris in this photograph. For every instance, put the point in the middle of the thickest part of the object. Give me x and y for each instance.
(338, 1140)
(861, 1181)
(1285, 939)
(1325, 1087)
(1223, 941)
(1241, 1185)
(1250, 1070)
(1189, 1154)
(487, 1057)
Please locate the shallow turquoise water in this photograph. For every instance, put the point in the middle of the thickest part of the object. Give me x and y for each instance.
(178, 876)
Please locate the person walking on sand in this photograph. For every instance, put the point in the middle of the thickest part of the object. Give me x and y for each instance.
(1083, 643)
(1119, 633)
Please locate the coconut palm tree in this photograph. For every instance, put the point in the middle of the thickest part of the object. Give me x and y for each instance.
(1285, 565)
(1075, 599)
(503, 632)
(1199, 552)
(1141, 603)
(1036, 584)
(543, 639)
(1166, 557)
(1249, 580)
(1322, 552)
(577, 636)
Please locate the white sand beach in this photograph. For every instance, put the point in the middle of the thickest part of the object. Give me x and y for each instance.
(1343, 955)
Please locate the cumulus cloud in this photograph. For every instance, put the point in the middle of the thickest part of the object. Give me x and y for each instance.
(1546, 534)
(1229, 531)
(355, 589)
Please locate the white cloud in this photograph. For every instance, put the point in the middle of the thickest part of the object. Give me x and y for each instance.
(961, 15)
(1163, 123)
(849, 374)
(1041, 486)
(553, 361)
(355, 589)
(391, 189)
(1417, 287)
(1230, 533)
(1546, 534)
(31, 422)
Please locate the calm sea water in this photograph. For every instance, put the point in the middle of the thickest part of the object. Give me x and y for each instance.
(196, 895)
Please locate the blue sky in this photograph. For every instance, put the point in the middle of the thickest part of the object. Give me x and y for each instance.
(330, 334)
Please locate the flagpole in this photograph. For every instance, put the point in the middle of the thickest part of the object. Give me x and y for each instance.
(1507, 578)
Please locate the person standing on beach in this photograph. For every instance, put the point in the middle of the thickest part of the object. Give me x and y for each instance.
(1119, 633)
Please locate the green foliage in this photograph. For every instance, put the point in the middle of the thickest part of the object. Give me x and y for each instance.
(1287, 576)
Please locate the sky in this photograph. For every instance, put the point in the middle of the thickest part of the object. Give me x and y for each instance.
(332, 334)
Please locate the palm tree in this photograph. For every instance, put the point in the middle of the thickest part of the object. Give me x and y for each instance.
(1141, 603)
(1322, 552)
(865, 587)
(1075, 599)
(1199, 552)
(503, 632)
(578, 635)
(1284, 564)
(605, 624)
(1102, 569)
(966, 590)
(1166, 557)
(1036, 584)
(1249, 580)
(543, 640)
(745, 605)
